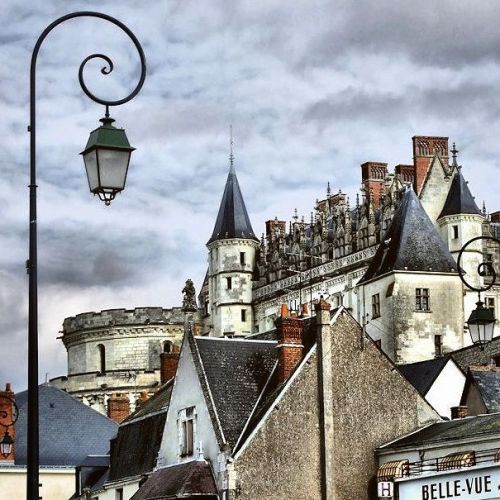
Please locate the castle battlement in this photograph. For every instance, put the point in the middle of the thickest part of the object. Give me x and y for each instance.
(123, 317)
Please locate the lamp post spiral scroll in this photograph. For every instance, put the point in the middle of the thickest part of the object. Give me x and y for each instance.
(106, 158)
(481, 322)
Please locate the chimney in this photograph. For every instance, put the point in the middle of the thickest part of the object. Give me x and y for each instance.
(459, 412)
(406, 173)
(289, 345)
(273, 227)
(495, 216)
(373, 176)
(424, 149)
(6, 420)
(143, 397)
(168, 366)
(118, 406)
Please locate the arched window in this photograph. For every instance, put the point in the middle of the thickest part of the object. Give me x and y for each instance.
(102, 358)
(167, 346)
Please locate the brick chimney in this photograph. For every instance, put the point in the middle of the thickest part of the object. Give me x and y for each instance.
(143, 397)
(118, 406)
(459, 412)
(289, 345)
(495, 216)
(7, 407)
(424, 149)
(406, 173)
(373, 176)
(273, 226)
(168, 366)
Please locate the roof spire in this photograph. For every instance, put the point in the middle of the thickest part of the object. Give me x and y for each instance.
(231, 155)
(328, 189)
(454, 152)
(295, 215)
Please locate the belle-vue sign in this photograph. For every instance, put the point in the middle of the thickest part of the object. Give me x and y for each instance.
(478, 484)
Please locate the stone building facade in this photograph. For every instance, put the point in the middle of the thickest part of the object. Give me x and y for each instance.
(329, 254)
(117, 351)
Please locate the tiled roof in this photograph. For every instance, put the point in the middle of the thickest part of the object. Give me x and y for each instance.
(136, 447)
(411, 243)
(187, 480)
(459, 199)
(488, 383)
(232, 220)
(69, 430)
(453, 430)
(423, 374)
(236, 372)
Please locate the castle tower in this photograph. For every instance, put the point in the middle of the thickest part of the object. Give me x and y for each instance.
(459, 221)
(232, 250)
(411, 295)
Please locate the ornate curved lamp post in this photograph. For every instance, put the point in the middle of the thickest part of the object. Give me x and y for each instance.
(481, 322)
(106, 157)
(6, 441)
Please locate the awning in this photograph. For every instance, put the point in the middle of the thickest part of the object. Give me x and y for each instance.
(457, 460)
(391, 470)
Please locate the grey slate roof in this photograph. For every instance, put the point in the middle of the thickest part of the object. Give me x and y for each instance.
(459, 199)
(423, 374)
(452, 430)
(411, 243)
(186, 480)
(232, 220)
(136, 446)
(488, 383)
(236, 372)
(69, 430)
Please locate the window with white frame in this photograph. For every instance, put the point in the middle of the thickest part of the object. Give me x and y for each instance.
(422, 299)
(489, 303)
(186, 426)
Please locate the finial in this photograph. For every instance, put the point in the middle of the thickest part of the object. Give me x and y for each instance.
(295, 215)
(484, 207)
(357, 200)
(231, 155)
(302, 219)
(312, 219)
(328, 190)
(454, 152)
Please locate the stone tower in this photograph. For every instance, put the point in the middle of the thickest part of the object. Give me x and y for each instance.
(459, 221)
(231, 262)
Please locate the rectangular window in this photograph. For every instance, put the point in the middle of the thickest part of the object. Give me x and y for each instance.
(489, 303)
(229, 283)
(375, 306)
(438, 345)
(243, 315)
(242, 258)
(454, 232)
(119, 494)
(422, 299)
(186, 426)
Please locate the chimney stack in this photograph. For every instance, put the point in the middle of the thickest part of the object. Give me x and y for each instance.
(373, 176)
(118, 406)
(143, 397)
(459, 412)
(406, 173)
(289, 346)
(424, 149)
(168, 366)
(7, 409)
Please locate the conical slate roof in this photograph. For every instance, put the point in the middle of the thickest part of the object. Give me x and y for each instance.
(459, 199)
(232, 220)
(411, 243)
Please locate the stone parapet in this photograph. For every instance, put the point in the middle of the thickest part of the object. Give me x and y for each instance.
(123, 317)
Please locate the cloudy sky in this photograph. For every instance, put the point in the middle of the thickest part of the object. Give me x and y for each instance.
(313, 89)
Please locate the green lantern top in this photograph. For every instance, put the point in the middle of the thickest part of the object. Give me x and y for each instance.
(107, 136)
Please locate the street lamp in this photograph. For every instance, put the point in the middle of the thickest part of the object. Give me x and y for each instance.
(481, 321)
(8, 419)
(106, 158)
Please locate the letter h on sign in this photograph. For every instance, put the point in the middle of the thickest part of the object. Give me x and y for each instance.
(385, 489)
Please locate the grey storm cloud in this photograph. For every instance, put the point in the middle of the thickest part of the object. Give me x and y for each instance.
(312, 89)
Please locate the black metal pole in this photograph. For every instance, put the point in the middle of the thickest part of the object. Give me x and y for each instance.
(32, 484)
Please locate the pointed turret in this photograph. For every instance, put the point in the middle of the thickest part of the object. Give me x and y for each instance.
(411, 243)
(232, 221)
(459, 199)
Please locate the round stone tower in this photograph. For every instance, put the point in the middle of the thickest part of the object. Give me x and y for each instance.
(117, 351)
(231, 263)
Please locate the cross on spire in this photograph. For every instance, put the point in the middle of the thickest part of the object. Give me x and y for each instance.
(231, 155)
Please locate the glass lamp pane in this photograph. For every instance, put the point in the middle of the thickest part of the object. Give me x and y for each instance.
(474, 332)
(90, 160)
(5, 449)
(113, 165)
(488, 331)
